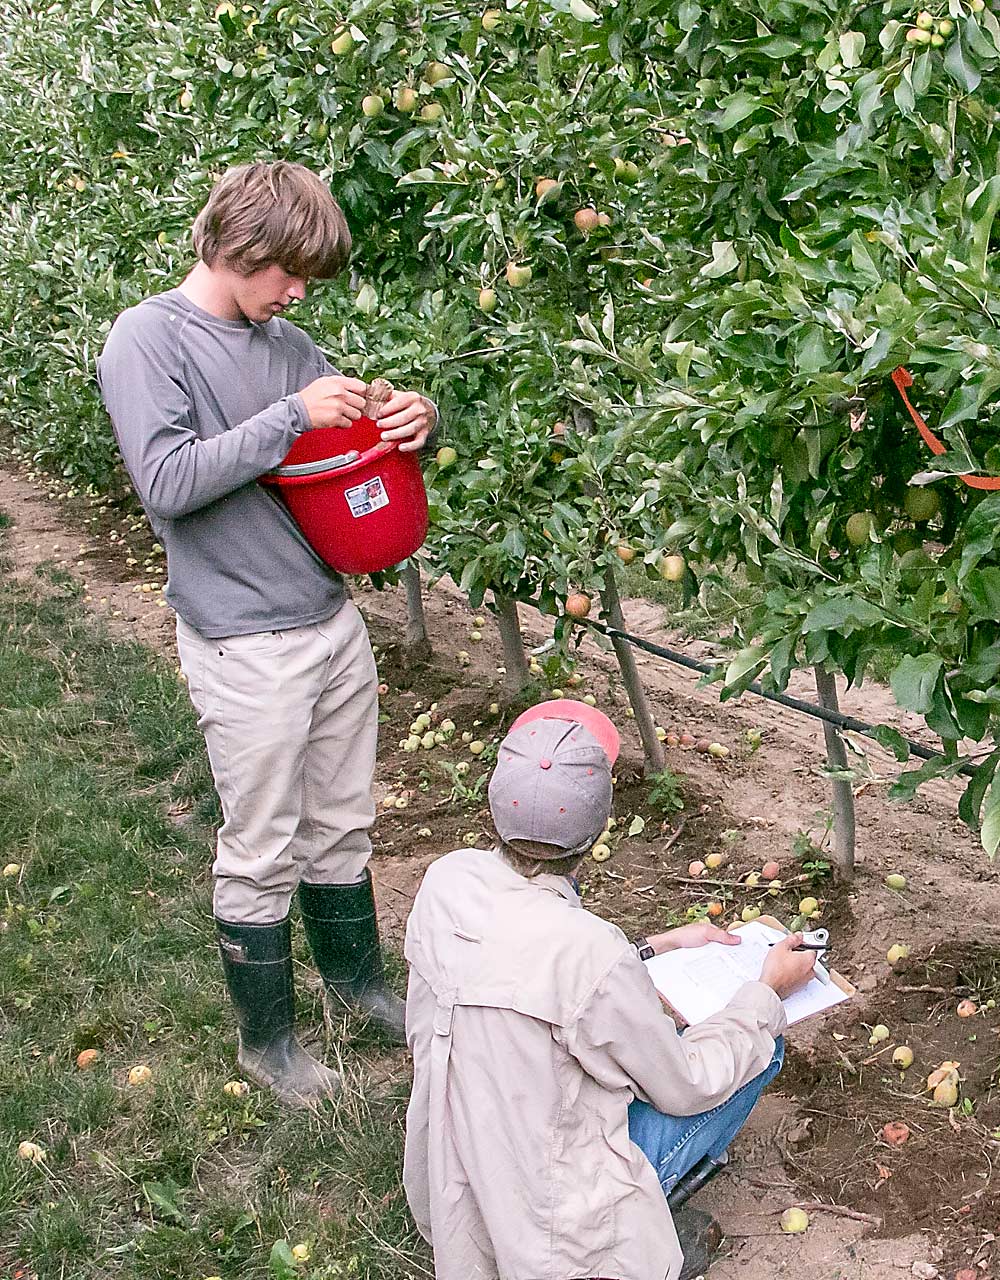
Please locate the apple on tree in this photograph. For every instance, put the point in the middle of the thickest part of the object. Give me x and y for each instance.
(518, 274)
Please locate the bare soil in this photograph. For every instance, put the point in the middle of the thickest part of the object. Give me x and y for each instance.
(876, 1210)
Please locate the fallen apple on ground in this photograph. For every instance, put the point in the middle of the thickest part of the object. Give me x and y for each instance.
(140, 1075)
(895, 1133)
(30, 1151)
(895, 881)
(897, 953)
(946, 1093)
(794, 1221)
(771, 870)
(903, 1057)
(86, 1058)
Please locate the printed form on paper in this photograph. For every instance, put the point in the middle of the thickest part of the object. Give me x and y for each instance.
(698, 982)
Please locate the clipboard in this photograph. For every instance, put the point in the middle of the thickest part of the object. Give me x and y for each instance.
(697, 982)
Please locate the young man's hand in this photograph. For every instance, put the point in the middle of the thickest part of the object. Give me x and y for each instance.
(407, 416)
(785, 969)
(334, 401)
(692, 935)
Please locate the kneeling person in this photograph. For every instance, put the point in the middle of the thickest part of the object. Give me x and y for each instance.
(557, 1113)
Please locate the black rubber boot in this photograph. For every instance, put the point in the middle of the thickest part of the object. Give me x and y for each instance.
(700, 1239)
(343, 933)
(695, 1178)
(257, 962)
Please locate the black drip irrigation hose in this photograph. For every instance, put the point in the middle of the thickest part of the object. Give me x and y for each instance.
(783, 699)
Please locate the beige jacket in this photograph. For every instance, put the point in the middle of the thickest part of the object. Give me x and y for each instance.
(533, 1024)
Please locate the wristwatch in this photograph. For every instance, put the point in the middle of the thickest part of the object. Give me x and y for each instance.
(645, 951)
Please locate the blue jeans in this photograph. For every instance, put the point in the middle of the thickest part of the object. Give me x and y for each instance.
(673, 1145)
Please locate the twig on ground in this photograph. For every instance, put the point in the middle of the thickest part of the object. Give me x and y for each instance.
(817, 1206)
(675, 837)
(766, 1186)
(934, 991)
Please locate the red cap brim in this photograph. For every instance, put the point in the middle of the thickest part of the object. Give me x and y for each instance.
(595, 722)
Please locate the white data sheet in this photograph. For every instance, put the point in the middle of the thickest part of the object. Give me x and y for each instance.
(699, 981)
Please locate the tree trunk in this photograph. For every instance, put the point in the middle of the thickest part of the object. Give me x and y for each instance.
(515, 660)
(651, 745)
(655, 761)
(843, 794)
(416, 643)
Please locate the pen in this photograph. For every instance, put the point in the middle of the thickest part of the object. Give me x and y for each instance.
(807, 946)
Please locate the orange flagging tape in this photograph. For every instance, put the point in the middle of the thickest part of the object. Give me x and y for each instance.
(902, 378)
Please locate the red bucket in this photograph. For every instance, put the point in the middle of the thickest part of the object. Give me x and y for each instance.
(360, 503)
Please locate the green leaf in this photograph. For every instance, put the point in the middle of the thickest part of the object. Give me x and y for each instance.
(852, 47)
(843, 614)
(281, 1261)
(736, 109)
(886, 736)
(990, 833)
(905, 786)
(982, 594)
(913, 682)
(742, 671)
(783, 660)
(960, 66)
(971, 802)
(162, 1199)
(813, 349)
(724, 260)
(982, 534)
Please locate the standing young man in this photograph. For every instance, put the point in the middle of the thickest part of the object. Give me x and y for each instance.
(208, 387)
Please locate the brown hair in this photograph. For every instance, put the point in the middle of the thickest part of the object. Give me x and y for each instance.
(282, 213)
(532, 858)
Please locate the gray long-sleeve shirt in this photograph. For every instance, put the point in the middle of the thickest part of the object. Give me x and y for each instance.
(201, 407)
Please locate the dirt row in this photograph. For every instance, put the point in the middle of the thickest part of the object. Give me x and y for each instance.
(927, 1207)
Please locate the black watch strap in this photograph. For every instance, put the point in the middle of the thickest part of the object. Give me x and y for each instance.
(645, 951)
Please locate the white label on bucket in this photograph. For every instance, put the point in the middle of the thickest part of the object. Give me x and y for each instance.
(365, 498)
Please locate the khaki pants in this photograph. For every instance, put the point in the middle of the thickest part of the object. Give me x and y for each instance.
(290, 719)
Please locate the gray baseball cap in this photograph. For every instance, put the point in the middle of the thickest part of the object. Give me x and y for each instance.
(551, 784)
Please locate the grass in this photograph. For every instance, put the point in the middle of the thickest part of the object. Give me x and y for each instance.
(106, 942)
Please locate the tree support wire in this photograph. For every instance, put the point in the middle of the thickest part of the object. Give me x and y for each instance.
(837, 718)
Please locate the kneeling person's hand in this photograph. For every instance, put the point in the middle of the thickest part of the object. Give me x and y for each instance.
(786, 970)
